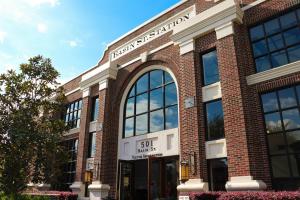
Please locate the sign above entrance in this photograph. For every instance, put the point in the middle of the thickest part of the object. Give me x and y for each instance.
(153, 33)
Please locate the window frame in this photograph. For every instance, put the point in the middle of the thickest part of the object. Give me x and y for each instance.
(148, 111)
(265, 37)
(202, 66)
(292, 178)
(206, 119)
(73, 123)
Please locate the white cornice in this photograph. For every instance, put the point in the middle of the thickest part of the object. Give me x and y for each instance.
(72, 91)
(274, 73)
(103, 72)
(207, 21)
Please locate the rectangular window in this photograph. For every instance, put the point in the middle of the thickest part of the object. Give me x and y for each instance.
(72, 115)
(276, 42)
(210, 68)
(214, 120)
(95, 109)
(282, 125)
(69, 169)
(92, 145)
(218, 174)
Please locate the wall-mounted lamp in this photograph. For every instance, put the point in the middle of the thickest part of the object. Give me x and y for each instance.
(184, 166)
(88, 176)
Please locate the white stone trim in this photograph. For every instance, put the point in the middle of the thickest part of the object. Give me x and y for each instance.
(98, 190)
(207, 21)
(103, 84)
(144, 56)
(85, 92)
(255, 3)
(211, 92)
(72, 91)
(244, 183)
(72, 131)
(78, 188)
(187, 46)
(273, 73)
(193, 185)
(93, 126)
(224, 30)
(216, 149)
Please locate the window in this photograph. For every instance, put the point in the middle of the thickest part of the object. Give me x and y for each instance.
(277, 41)
(218, 174)
(95, 108)
(92, 145)
(210, 68)
(282, 121)
(69, 169)
(151, 104)
(72, 116)
(214, 120)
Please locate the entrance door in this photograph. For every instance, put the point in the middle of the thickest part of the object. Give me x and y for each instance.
(126, 180)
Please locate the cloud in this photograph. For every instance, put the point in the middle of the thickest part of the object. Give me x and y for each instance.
(2, 36)
(35, 3)
(42, 28)
(73, 43)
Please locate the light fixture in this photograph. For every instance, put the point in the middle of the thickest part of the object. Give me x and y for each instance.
(88, 175)
(184, 166)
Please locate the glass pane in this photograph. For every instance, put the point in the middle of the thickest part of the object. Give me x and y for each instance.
(293, 139)
(92, 145)
(288, 20)
(260, 48)
(78, 123)
(280, 166)
(76, 105)
(156, 99)
(287, 98)
(276, 144)
(170, 94)
(142, 103)
(262, 63)
(130, 107)
(273, 122)
(172, 117)
(298, 92)
(95, 109)
(275, 42)
(269, 101)
(141, 124)
(168, 77)
(210, 68)
(156, 78)
(257, 32)
(132, 92)
(291, 119)
(128, 127)
(156, 121)
(295, 164)
(80, 104)
(272, 26)
(78, 114)
(292, 36)
(142, 84)
(215, 120)
(218, 170)
(279, 58)
(294, 53)
(71, 107)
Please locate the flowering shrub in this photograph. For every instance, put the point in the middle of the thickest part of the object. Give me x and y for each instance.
(246, 196)
(56, 195)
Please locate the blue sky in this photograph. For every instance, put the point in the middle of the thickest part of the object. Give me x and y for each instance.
(73, 33)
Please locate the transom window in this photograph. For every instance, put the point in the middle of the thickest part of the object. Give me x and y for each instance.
(277, 41)
(151, 104)
(282, 120)
(72, 116)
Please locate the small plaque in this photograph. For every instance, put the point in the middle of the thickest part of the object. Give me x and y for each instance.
(189, 102)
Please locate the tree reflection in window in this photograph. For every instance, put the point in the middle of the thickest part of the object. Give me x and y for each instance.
(151, 104)
(214, 120)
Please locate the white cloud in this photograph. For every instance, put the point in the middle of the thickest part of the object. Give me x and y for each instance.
(2, 36)
(35, 3)
(73, 43)
(42, 28)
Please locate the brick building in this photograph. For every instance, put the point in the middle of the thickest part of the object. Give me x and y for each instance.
(208, 86)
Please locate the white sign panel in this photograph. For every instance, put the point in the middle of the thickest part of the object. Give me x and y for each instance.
(162, 143)
(154, 33)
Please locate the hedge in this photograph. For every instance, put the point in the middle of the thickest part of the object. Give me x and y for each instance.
(49, 195)
(246, 196)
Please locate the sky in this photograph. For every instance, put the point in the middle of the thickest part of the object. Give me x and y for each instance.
(72, 33)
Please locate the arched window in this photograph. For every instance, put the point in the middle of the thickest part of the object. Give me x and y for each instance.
(151, 104)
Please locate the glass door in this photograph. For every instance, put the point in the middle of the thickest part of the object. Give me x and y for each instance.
(126, 180)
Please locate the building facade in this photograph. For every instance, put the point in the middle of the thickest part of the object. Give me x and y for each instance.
(204, 96)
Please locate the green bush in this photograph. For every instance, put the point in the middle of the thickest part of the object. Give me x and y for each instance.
(23, 197)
